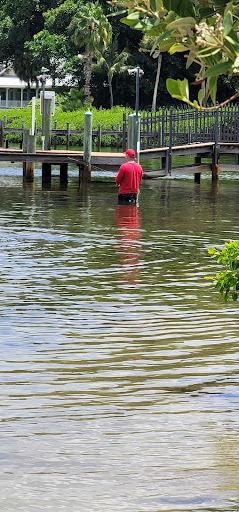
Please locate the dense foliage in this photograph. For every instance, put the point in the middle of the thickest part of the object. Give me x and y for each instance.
(109, 118)
(205, 32)
(227, 281)
(70, 37)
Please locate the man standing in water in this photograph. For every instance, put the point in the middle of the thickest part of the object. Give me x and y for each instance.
(128, 179)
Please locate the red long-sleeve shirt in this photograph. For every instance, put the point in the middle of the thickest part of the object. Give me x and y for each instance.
(128, 178)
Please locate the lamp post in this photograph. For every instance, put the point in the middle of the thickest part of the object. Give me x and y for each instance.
(137, 72)
(43, 77)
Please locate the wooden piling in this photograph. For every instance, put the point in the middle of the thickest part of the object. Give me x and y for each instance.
(215, 166)
(197, 175)
(163, 162)
(85, 170)
(63, 173)
(1, 133)
(134, 134)
(131, 131)
(47, 123)
(215, 172)
(30, 166)
(46, 174)
(23, 126)
(25, 135)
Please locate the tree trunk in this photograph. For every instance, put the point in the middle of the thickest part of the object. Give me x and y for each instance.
(156, 83)
(111, 92)
(205, 88)
(88, 71)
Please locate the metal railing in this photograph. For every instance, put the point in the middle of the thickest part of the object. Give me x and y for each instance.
(174, 127)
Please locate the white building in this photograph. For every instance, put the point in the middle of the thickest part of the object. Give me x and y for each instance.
(13, 91)
(16, 93)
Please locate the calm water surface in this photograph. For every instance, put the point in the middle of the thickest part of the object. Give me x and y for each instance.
(119, 361)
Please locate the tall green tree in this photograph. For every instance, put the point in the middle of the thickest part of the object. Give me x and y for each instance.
(48, 51)
(91, 30)
(113, 62)
(19, 21)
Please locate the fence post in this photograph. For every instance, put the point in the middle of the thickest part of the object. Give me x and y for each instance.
(237, 130)
(196, 126)
(1, 133)
(138, 138)
(215, 166)
(55, 136)
(237, 123)
(160, 135)
(124, 132)
(67, 135)
(163, 124)
(99, 137)
(118, 136)
(169, 159)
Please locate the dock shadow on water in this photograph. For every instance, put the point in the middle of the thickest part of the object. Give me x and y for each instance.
(119, 361)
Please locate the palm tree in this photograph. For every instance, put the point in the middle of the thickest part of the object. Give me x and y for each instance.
(90, 29)
(112, 62)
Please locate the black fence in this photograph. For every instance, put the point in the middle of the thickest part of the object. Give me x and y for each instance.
(166, 128)
(171, 127)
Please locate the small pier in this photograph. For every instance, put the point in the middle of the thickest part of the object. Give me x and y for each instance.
(162, 137)
(112, 161)
(63, 158)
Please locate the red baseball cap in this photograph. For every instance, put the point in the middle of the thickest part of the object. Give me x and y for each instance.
(130, 152)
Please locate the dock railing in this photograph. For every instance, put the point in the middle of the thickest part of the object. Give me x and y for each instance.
(188, 126)
(168, 126)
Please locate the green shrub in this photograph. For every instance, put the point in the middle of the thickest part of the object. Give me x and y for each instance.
(108, 119)
(227, 281)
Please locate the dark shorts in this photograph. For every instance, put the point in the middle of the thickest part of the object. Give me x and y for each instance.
(127, 198)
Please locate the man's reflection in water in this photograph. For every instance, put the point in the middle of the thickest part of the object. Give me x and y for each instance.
(129, 246)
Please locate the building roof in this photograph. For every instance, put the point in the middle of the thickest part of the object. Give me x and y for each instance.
(13, 82)
(9, 80)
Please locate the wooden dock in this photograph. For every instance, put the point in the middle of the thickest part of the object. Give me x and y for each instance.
(112, 161)
(60, 157)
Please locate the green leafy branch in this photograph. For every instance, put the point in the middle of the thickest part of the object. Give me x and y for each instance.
(227, 281)
(206, 32)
